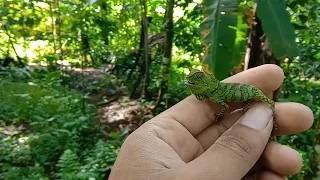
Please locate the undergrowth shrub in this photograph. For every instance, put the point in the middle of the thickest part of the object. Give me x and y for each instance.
(48, 131)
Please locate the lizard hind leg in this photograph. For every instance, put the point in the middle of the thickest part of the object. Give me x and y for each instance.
(248, 105)
(267, 100)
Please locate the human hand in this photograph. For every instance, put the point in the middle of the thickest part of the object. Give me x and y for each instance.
(184, 143)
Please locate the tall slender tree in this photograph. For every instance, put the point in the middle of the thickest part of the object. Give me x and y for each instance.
(53, 29)
(146, 49)
(167, 55)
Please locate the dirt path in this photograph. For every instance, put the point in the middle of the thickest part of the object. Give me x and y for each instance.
(124, 113)
(119, 111)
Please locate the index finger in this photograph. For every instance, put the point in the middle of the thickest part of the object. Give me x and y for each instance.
(197, 115)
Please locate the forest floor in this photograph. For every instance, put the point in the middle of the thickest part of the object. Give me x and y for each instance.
(116, 109)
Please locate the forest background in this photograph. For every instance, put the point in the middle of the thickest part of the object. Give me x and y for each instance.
(78, 76)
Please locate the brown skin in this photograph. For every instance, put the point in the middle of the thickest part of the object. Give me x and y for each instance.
(184, 143)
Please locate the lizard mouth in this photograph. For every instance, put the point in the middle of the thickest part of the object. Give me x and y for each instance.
(190, 83)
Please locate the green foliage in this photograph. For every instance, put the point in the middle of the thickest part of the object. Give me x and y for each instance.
(306, 92)
(176, 90)
(225, 33)
(48, 130)
(68, 165)
(187, 31)
(301, 83)
(219, 39)
(44, 129)
(100, 158)
(27, 173)
(276, 24)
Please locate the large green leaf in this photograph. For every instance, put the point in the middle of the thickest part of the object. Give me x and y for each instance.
(239, 48)
(218, 38)
(277, 26)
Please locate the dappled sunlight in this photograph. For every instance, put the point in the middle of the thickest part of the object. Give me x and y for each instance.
(160, 9)
(178, 12)
(124, 113)
(37, 48)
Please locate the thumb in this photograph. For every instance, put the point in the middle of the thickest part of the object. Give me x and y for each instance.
(238, 149)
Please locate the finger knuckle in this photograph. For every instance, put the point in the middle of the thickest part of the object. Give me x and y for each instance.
(236, 144)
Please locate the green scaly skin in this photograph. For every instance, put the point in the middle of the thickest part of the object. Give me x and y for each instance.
(206, 86)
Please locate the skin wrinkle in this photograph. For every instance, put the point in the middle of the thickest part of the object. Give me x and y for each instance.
(208, 114)
(229, 147)
(214, 130)
(211, 118)
(140, 141)
(132, 148)
(142, 168)
(169, 116)
(167, 162)
(178, 144)
(221, 128)
(160, 158)
(148, 175)
(199, 152)
(235, 143)
(243, 143)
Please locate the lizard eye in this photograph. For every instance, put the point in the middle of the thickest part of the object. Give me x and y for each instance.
(199, 76)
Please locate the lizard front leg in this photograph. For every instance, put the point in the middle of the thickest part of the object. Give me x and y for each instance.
(200, 97)
(220, 115)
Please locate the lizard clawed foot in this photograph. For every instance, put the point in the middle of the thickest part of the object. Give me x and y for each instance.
(275, 128)
(219, 117)
(247, 106)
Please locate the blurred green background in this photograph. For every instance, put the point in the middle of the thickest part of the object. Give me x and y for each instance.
(77, 77)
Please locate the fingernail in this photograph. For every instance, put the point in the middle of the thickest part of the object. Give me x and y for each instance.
(257, 117)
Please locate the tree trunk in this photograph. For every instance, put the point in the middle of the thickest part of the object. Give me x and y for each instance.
(166, 61)
(12, 45)
(143, 43)
(59, 22)
(83, 65)
(139, 52)
(51, 3)
(136, 63)
(259, 51)
(104, 24)
(146, 52)
(86, 47)
(254, 44)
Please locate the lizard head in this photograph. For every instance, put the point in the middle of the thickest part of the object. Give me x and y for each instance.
(195, 77)
(199, 82)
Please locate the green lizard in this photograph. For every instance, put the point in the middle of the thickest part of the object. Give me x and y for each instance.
(206, 86)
